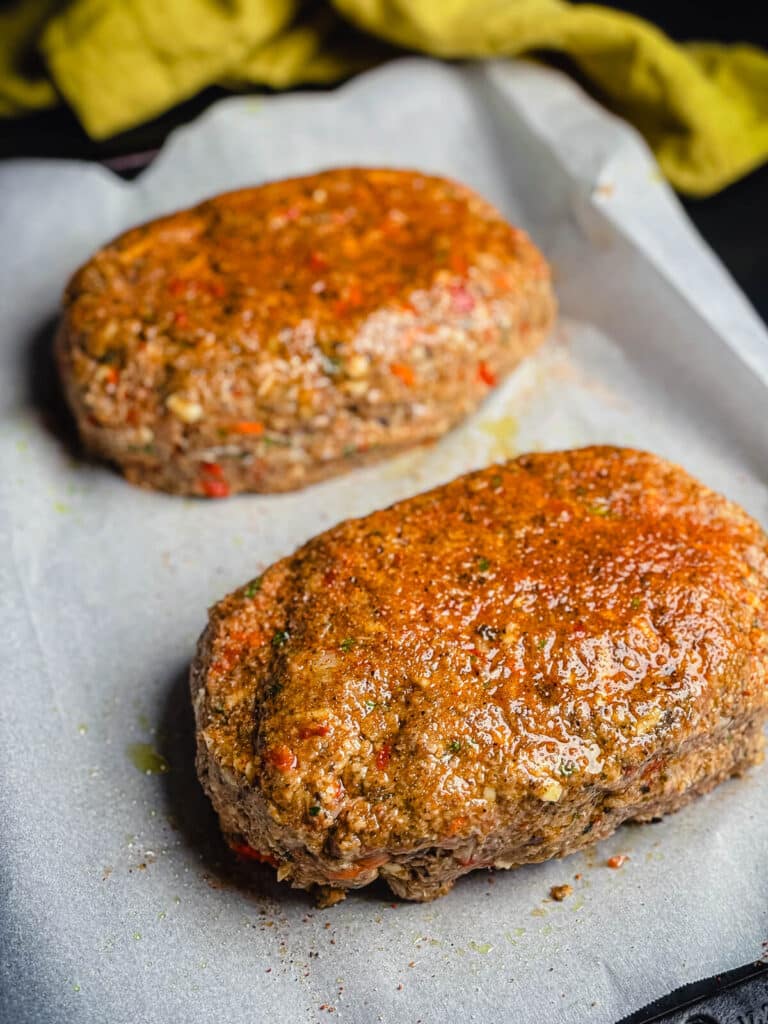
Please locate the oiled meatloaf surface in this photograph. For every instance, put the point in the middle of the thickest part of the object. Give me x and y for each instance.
(498, 671)
(278, 335)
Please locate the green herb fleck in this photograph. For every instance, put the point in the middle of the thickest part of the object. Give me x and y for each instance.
(347, 644)
(315, 810)
(635, 602)
(370, 704)
(496, 480)
(280, 639)
(480, 947)
(542, 643)
(349, 450)
(331, 364)
(454, 746)
(253, 587)
(146, 759)
(567, 768)
(600, 510)
(483, 564)
(282, 442)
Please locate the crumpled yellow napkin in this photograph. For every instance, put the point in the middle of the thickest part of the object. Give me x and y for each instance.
(702, 106)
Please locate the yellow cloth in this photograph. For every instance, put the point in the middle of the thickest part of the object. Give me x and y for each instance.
(702, 106)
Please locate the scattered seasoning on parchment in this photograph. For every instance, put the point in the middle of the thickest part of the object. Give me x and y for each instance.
(560, 892)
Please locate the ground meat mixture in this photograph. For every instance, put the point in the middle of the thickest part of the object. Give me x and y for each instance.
(498, 671)
(278, 335)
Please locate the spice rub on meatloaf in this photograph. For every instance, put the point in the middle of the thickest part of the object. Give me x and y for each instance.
(498, 671)
(279, 335)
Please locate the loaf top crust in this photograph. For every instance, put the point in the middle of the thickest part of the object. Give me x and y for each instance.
(262, 338)
(520, 633)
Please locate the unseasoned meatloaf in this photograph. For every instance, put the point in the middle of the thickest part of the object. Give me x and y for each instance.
(498, 671)
(278, 335)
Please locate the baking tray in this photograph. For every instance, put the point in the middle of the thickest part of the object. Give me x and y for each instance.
(119, 900)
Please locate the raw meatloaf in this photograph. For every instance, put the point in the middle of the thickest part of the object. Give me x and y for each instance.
(279, 335)
(495, 672)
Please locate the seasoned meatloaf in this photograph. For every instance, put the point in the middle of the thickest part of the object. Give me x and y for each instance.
(278, 335)
(498, 671)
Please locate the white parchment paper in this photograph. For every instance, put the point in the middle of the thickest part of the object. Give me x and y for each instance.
(117, 902)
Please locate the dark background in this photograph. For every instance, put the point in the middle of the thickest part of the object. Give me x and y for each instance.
(733, 222)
